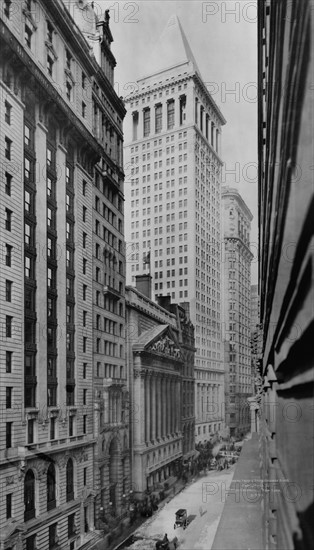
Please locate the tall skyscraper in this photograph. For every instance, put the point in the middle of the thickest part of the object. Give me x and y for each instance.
(61, 277)
(237, 259)
(173, 132)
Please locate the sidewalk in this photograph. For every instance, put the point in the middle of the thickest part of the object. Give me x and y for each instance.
(240, 526)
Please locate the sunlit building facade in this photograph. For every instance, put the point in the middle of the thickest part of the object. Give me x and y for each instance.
(173, 159)
(61, 236)
(237, 259)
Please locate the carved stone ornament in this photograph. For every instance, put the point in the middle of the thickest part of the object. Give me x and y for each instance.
(166, 346)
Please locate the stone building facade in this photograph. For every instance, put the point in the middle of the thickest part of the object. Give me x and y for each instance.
(286, 254)
(159, 370)
(173, 154)
(61, 235)
(237, 259)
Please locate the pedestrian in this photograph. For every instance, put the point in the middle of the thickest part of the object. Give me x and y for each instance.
(201, 511)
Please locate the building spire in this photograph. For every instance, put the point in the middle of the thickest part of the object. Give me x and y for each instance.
(172, 48)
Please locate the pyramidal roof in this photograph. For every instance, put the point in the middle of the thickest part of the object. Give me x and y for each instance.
(172, 48)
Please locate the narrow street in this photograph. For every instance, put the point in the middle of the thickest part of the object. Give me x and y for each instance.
(206, 495)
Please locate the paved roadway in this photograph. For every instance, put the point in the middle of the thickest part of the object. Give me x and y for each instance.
(204, 500)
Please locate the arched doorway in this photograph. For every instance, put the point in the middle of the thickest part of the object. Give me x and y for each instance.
(113, 474)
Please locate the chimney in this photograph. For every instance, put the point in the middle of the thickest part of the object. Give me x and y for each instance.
(164, 301)
(143, 283)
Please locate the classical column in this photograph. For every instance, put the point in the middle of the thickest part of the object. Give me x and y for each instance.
(168, 406)
(158, 407)
(173, 406)
(147, 408)
(139, 393)
(164, 408)
(179, 406)
(153, 411)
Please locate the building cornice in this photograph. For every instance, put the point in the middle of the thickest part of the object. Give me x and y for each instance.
(72, 33)
(47, 89)
(155, 88)
(234, 193)
(212, 103)
(108, 89)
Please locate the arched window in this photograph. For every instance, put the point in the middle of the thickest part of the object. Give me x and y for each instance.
(70, 480)
(29, 495)
(51, 487)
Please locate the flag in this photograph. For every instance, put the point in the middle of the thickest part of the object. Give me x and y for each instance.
(146, 258)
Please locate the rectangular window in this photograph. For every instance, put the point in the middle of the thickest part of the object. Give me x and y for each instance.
(31, 543)
(7, 8)
(52, 428)
(8, 434)
(8, 361)
(9, 505)
(49, 32)
(27, 168)
(71, 525)
(135, 124)
(182, 109)
(49, 64)
(84, 423)
(170, 114)
(8, 148)
(28, 33)
(146, 122)
(8, 255)
(30, 431)
(8, 397)
(53, 539)
(84, 399)
(8, 183)
(27, 136)
(8, 291)
(71, 426)
(7, 113)
(27, 234)
(83, 109)
(68, 59)
(69, 90)
(158, 118)
(8, 326)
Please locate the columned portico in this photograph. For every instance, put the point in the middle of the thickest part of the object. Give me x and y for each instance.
(157, 439)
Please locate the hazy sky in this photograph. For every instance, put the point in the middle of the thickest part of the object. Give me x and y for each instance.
(223, 39)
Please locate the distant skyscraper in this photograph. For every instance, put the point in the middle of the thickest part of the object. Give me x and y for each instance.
(237, 259)
(173, 131)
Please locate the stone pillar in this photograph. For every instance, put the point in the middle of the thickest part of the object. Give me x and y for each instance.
(153, 410)
(179, 406)
(163, 413)
(157, 407)
(168, 405)
(139, 393)
(147, 409)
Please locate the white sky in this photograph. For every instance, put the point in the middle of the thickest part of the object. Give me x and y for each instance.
(223, 39)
